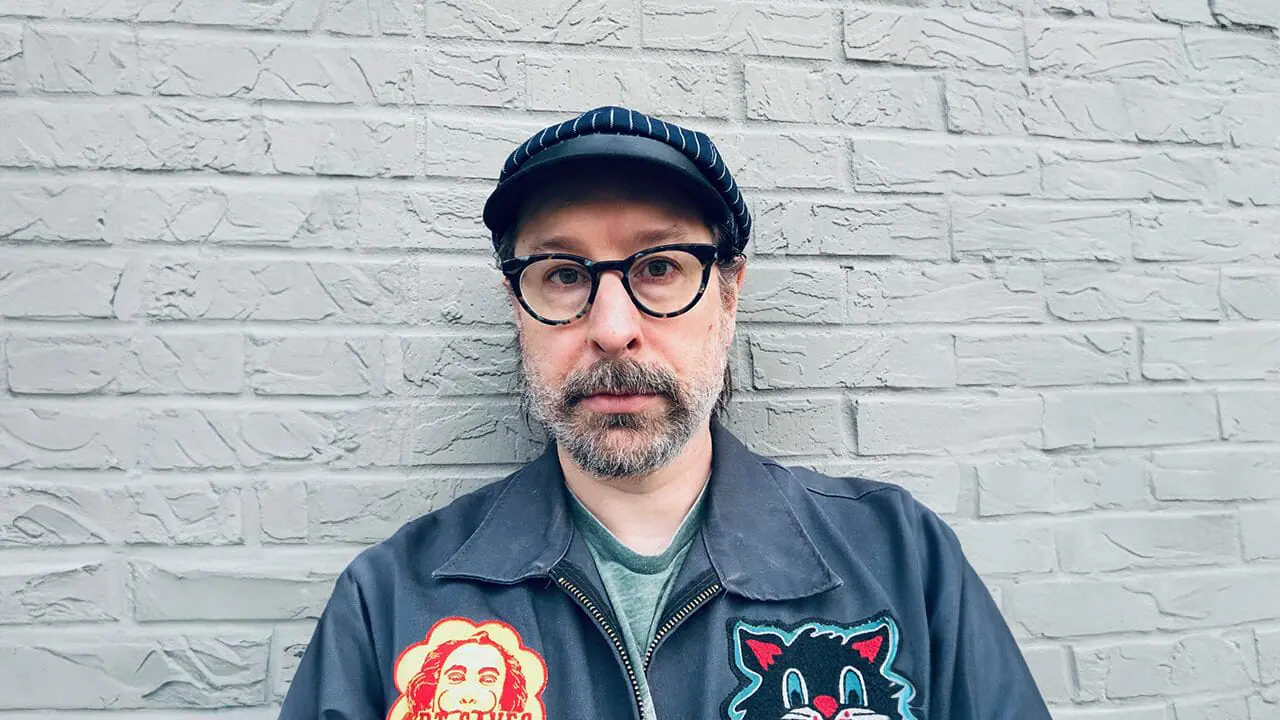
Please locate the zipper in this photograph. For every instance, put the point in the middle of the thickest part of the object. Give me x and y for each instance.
(674, 619)
(594, 611)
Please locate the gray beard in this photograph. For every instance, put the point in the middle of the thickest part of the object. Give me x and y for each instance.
(587, 437)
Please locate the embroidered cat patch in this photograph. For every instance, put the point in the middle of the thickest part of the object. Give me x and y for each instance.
(469, 671)
(818, 671)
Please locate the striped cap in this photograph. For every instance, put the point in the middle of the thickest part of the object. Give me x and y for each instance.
(621, 135)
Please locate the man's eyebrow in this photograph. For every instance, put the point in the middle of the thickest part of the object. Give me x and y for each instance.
(666, 234)
(555, 243)
(451, 668)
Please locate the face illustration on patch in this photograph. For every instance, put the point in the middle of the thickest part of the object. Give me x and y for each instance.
(818, 671)
(471, 679)
(464, 670)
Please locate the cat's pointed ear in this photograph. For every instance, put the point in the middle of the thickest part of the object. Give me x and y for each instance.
(871, 645)
(759, 650)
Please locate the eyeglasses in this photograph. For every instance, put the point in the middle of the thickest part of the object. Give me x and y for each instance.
(663, 281)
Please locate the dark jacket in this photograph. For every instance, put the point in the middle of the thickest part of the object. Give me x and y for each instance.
(803, 596)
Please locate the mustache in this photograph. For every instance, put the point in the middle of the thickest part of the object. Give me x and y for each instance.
(619, 377)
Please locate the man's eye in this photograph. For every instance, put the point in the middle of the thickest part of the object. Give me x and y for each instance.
(456, 678)
(566, 276)
(488, 678)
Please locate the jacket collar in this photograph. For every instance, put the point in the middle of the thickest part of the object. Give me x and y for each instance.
(754, 539)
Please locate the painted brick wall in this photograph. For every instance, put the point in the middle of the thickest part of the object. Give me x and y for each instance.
(1020, 256)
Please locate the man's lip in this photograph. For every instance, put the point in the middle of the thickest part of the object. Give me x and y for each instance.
(618, 402)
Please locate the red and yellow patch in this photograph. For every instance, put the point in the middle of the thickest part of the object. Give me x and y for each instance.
(469, 671)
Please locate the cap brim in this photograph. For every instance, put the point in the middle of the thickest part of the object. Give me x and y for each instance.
(502, 208)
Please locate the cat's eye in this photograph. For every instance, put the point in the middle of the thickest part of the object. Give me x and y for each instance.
(853, 689)
(794, 692)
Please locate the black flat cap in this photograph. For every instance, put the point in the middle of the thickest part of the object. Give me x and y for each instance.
(622, 136)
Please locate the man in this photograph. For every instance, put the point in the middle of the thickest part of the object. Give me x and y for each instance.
(648, 564)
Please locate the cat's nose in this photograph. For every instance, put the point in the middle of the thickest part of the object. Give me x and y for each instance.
(826, 705)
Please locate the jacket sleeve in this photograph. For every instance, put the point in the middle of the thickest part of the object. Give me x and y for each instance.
(338, 677)
(978, 672)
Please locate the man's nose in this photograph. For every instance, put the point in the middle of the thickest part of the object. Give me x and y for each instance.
(614, 321)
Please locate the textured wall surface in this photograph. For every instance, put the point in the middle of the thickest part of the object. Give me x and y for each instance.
(1020, 256)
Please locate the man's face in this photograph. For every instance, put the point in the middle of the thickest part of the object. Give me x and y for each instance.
(622, 392)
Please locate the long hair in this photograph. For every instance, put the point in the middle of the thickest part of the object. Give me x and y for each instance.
(421, 691)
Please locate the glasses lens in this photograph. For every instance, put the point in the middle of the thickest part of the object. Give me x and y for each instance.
(666, 281)
(556, 289)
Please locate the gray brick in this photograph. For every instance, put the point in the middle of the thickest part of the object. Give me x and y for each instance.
(902, 425)
(781, 428)
(1122, 418)
(84, 60)
(357, 292)
(792, 295)
(1210, 708)
(131, 137)
(936, 483)
(1209, 662)
(282, 509)
(367, 511)
(447, 365)
(1077, 110)
(1121, 173)
(1008, 548)
(601, 22)
(1163, 114)
(250, 213)
(472, 149)
(265, 587)
(202, 512)
(81, 513)
(1045, 358)
(384, 146)
(66, 439)
(1269, 655)
(1247, 12)
(1174, 11)
(1250, 121)
(1251, 178)
(912, 166)
(933, 38)
(1107, 293)
(1258, 532)
(362, 17)
(1115, 51)
(1061, 484)
(1002, 231)
(465, 77)
(1067, 608)
(59, 592)
(915, 229)
(1050, 665)
(151, 364)
(457, 434)
(1251, 294)
(946, 293)
(1200, 353)
(1219, 56)
(986, 104)
(1217, 474)
(845, 97)
(659, 87)
(55, 211)
(1250, 415)
(1179, 234)
(850, 358)
(785, 160)
(751, 28)
(1153, 540)
(12, 64)
(113, 670)
(292, 365)
(51, 287)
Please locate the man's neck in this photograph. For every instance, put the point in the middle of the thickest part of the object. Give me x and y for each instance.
(645, 512)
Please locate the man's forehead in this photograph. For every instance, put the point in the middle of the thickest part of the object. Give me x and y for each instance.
(534, 241)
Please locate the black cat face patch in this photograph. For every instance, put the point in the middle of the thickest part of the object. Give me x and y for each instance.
(818, 671)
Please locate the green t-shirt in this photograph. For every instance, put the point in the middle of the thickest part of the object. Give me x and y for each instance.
(638, 585)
